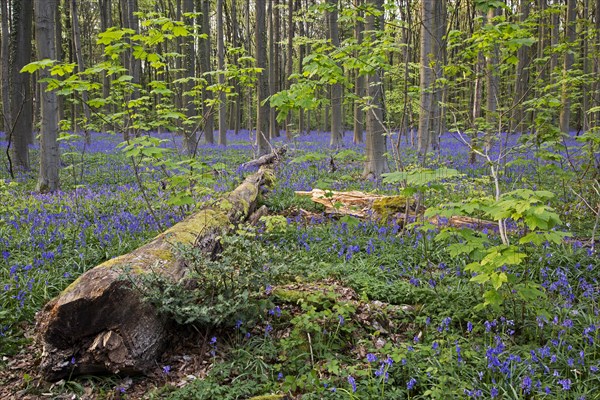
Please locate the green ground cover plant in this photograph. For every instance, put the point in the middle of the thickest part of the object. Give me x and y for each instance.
(311, 305)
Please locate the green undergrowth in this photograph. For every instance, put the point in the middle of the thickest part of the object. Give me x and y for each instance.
(358, 310)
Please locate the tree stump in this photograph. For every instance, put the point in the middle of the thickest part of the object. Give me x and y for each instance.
(99, 324)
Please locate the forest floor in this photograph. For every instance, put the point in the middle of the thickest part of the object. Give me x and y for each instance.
(326, 306)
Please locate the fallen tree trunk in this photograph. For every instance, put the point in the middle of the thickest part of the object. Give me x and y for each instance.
(360, 204)
(369, 205)
(100, 324)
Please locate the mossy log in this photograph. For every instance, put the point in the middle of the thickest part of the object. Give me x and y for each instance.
(99, 324)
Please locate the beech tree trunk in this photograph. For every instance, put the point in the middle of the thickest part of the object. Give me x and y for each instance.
(336, 88)
(570, 33)
(492, 82)
(221, 65)
(80, 66)
(375, 163)
(359, 82)
(262, 110)
(99, 324)
(205, 50)
(5, 59)
(20, 117)
(426, 76)
(190, 138)
(45, 19)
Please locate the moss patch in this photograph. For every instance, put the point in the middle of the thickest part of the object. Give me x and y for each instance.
(389, 205)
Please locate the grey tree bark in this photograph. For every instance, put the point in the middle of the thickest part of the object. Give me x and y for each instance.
(45, 19)
(6, 77)
(21, 99)
(359, 81)
(596, 67)
(221, 65)
(569, 59)
(262, 113)
(106, 21)
(336, 88)
(76, 31)
(290, 59)
(426, 76)
(205, 50)
(492, 80)
(190, 138)
(518, 119)
(375, 163)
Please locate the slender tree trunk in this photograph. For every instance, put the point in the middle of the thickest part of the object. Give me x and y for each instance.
(236, 104)
(276, 57)
(250, 93)
(221, 65)
(21, 101)
(521, 77)
(426, 75)
(569, 58)
(205, 47)
(105, 23)
(289, 60)
(492, 85)
(477, 101)
(375, 163)
(439, 49)
(80, 65)
(271, 51)
(262, 113)
(45, 19)
(336, 88)
(302, 127)
(359, 82)
(492, 82)
(596, 85)
(7, 122)
(189, 59)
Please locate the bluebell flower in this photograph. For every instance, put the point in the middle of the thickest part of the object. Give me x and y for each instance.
(352, 383)
(565, 383)
(526, 384)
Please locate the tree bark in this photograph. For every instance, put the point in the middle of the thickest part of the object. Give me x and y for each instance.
(221, 65)
(521, 77)
(492, 82)
(6, 76)
(80, 66)
(375, 163)
(99, 324)
(45, 19)
(359, 82)
(105, 23)
(21, 102)
(336, 88)
(189, 60)
(262, 113)
(205, 48)
(569, 59)
(426, 76)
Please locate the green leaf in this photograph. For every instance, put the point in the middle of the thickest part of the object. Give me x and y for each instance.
(34, 66)
(420, 176)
